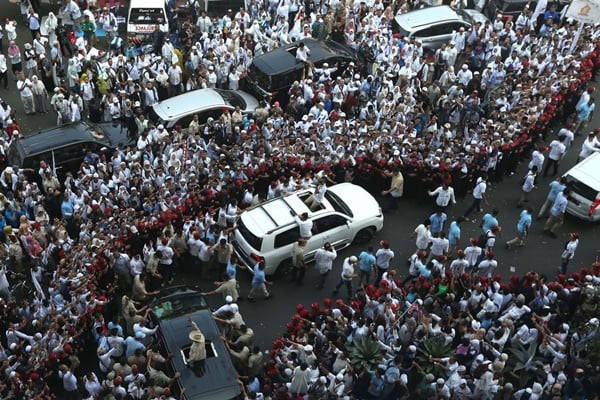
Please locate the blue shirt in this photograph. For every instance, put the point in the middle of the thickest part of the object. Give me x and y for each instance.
(454, 233)
(560, 205)
(231, 270)
(132, 344)
(66, 209)
(489, 221)
(376, 385)
(524, 221)
(366, 261)
(437, 222)
(555, 188)
(259, 277)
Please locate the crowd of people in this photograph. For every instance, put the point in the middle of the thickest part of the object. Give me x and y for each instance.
(95, 244)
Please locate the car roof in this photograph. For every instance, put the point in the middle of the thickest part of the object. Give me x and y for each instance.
(59, 136)
(275, 213)
(427, 16)
(219, 381)
(283, 58)
(193, 101)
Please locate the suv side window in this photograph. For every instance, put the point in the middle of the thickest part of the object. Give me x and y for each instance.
(329, 222)
(287, 237)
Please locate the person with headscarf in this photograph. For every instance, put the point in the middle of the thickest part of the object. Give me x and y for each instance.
(40, 94)
(14, 55)
(50, 24)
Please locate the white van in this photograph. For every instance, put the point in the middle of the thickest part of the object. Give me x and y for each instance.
(144, 16)
(584, 181)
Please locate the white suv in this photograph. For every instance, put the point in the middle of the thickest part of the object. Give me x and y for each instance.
(268, 231)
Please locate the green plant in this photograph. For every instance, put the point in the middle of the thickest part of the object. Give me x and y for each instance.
(525, 366)
(430, 349)
(365, 353)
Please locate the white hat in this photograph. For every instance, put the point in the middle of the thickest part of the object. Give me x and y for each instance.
(536, 388)
(339, 377)
(323, 379)
(308, 348)
(353, 259)
(235, 308)
(440, 381)
(228, 299)
(412, 348)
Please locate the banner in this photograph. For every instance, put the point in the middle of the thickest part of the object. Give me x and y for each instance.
(586, 11)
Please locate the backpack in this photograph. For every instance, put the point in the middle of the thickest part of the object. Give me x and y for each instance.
(482, 240)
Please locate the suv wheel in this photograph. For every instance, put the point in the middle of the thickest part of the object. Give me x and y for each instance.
(284, 268)
(364, 235)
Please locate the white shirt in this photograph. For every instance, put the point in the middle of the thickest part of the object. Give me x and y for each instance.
(557, 149)
(479, 189)
(444, 196)
(347, 270)
(305, 227)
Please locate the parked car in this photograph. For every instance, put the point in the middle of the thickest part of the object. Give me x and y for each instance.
(179, 110)
(273, 73)
(435, 25)
(584, 181)
(268, 231)
(65, 146)
(171, 310)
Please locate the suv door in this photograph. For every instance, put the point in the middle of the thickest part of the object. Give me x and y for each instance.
(333, 228)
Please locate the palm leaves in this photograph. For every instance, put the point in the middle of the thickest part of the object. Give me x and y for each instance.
(525, 365)
(434, 347)
(364, 353)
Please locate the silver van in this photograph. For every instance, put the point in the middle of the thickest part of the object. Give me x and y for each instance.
(584, 181)
(435, 25)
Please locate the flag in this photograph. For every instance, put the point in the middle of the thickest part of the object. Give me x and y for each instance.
(585, 11)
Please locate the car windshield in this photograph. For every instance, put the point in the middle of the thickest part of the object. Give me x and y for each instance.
(338, 204)
(232, 98)
(251, 238)
(263, 80)
(179, 305)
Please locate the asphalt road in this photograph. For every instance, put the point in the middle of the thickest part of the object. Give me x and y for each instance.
(268, 318)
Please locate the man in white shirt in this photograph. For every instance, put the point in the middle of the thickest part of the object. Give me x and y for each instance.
(305, 225)
(590, 145)
(347, 275)
(302, 53)
(324, 262)
(478, 195)
(528, 185)
(445, 195)
(557, 152)
(383, 258)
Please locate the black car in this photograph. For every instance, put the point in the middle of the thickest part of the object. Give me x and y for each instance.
(510, 9)
(65, 146)
(273, 73)
(172, 311)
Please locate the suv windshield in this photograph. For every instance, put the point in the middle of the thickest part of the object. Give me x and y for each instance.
(254, 241)
(263, 80)
(338, 204)
(179, 305)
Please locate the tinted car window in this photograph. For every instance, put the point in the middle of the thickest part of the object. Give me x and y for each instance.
(288, 237)
(329, 222)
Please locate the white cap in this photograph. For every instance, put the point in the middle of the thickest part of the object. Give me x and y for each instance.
(228, 299)
(235, 308)
(353, 259)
